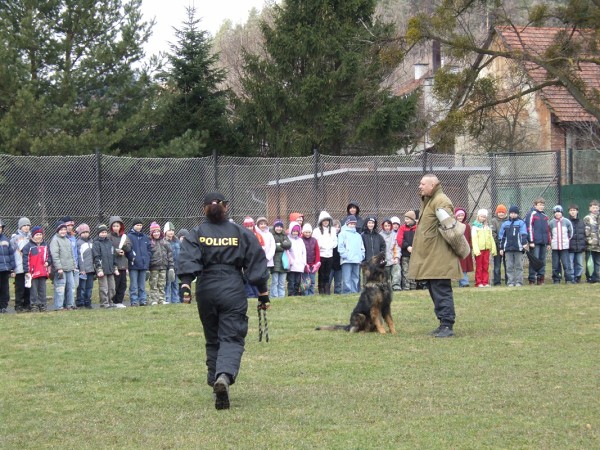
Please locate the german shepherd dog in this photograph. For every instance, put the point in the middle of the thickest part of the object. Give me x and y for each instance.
(375, 301)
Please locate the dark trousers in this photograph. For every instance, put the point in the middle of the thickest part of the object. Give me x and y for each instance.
(499, 261)
(324, 274)
(120, 286)
(21, 293)
(37, 293)
(294, 279)
(84, 291)
(443, 301)
(4, 289)
(222, 306)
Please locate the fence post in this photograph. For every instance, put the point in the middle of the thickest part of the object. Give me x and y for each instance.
(277, 178)
(375, 166)
(316, 181)
(494, 186)
(570, 165)
(216, 168)
(99, 185)
(559, 175)
(424, 162)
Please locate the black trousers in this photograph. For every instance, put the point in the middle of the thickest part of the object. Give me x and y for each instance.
(120, 286)
(325, 274)
(222, 305)
(4, 289)
(21, 292)
(443, 301)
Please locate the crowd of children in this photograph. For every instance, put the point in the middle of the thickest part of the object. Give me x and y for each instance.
(298, 258)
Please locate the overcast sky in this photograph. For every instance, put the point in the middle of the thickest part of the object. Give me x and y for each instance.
(171, 13)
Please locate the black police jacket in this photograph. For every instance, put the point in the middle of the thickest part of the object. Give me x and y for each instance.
(223, 243)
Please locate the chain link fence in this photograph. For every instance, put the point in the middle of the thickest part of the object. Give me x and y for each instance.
(92, 188)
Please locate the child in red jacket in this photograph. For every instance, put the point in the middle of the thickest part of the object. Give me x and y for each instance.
(36, 265)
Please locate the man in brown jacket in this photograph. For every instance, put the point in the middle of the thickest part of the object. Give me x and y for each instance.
(432, 259)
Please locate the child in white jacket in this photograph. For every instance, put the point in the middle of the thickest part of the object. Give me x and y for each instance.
(297, 254)
(326, 236)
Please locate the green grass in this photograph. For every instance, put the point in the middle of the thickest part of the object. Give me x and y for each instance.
(522, 372)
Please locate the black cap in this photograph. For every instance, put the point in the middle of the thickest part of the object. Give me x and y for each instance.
(102, 227)
(136, 220)
(214, 197)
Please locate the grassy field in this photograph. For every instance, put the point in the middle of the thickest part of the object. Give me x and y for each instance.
(522, 372)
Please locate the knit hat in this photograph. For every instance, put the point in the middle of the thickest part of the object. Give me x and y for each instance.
(248, 221)
(154, 226)
(68, 220)
(35, 230)
(482, 212)
(350, 219)
(23, 221)
(168, 227)
(295, 215)
(395, 219)
(60, 224)
(410, 215)
(136, 221)
(557, 208)
(102, 227)
(183, 233)
(501, 209)
(214, 197)
(514, 209)
(307, 227)
(82, 228)
(458, 211)
(262, 219)
(278, 223)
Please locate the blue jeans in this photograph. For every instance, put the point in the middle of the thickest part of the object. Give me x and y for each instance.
(172, 291)
(63, 290)
(577, 264)
(84, 290)
(278, 284)
(336, 277)
(464, 281)
(539, 251)
(311, 289)
(350, 278)
(137, 286)
(561, 262)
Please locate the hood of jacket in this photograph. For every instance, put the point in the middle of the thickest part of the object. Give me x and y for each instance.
(324, 215)
(355, 204)
(116, 219)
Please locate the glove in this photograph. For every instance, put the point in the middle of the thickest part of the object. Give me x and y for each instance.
(315, 267)
(186, 294)
(264, 302)
(171, 275)
(306, 268)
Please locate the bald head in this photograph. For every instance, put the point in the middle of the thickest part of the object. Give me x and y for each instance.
(428, 184)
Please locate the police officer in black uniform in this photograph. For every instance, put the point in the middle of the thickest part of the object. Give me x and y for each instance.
(215, 253)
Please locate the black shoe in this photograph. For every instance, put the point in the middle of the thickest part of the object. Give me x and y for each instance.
(444, 332)
(221, 391)
(3, 311)
(436, 331)
(88, 307)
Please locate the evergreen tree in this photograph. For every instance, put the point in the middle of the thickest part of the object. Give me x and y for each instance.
(74, 88)
(320, 84)
(194, 119)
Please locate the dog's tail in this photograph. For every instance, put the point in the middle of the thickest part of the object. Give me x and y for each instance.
(333, 327)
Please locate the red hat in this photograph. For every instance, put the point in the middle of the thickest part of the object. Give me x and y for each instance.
(501, 209)
(154, 226)
(248, 221)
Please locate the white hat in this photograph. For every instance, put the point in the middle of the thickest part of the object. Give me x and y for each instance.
(482, 212)
(395, 219)
(307, 227)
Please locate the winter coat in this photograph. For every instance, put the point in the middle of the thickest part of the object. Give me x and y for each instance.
(513, 235)
(482, 239)
(161, 255)
(561, 231)
(577, 243)
(7, 255)
(537, 227)
(85, 256)
(269, 245)
(122, 261)
(140, 250)
(495, 224)
(73, 240)
(62, 253)
(326, 237)
(350, 246)
(17, 242)
(35, 257)
(592, 238)
(405, 237)
(391, 246)
(104, 256)
(297, 252)
(373, 242)
(282, 243)
(313, 255)
(175, 248)
(432, 258)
